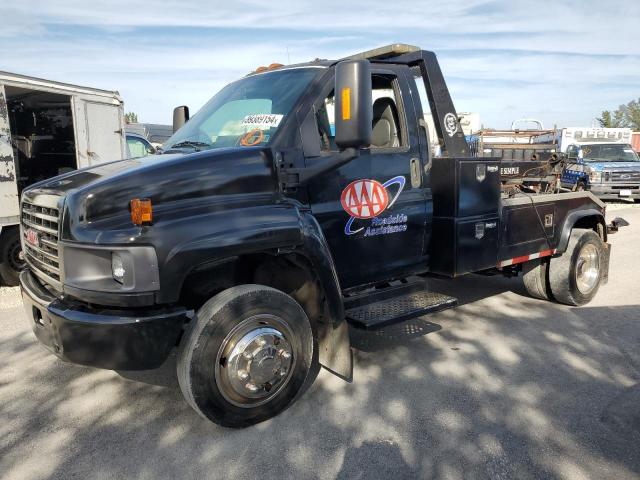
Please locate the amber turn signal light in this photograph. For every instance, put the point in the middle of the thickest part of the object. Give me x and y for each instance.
(346, 103)
(141, 211)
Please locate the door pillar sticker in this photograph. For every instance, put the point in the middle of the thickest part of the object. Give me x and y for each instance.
(365, 200)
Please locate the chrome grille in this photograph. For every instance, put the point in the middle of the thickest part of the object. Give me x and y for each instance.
(625, 176)
(40, 240)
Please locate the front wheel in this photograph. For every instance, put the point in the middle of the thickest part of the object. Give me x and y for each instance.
(246, 356)
(575, 276)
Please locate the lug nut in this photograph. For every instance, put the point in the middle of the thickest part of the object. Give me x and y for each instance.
(284, 354)
(243, 374)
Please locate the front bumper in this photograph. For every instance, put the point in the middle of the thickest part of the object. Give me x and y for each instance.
(612, 191)
(131, 339)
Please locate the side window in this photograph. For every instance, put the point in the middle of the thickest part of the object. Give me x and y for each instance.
(435, 147)
(389, 124)
(138, 148)
(572, 152)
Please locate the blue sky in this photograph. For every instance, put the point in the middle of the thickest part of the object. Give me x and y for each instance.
(562, 62)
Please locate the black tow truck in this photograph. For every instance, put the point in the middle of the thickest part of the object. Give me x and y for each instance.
(299, 199)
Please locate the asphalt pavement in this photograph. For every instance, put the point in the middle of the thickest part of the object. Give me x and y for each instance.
(503, 387)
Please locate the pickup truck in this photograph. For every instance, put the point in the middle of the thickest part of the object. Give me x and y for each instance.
(291, 205)
(611, 171)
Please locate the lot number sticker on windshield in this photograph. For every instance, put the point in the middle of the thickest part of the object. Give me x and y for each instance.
(262, 120)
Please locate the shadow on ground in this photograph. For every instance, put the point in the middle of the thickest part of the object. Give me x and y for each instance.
(504, 387)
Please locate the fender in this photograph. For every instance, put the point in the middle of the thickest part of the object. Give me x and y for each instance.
(571, 219)
(209, 238)
(263, 228)
(333, 336)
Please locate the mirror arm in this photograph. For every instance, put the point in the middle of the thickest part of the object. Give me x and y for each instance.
(296, 177)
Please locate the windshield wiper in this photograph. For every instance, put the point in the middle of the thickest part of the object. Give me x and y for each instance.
(190, 143)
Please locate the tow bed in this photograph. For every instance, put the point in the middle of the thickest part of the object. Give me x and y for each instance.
(478, 228)
(533, 226)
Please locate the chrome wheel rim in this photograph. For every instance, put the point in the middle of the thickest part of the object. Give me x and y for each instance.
(587, 269)
(255, 361)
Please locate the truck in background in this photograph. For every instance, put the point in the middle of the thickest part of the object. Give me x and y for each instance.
(48, 128)
(155, 133)
(598, 159)
(527, 163)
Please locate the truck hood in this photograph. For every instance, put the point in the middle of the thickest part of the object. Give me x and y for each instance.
(104, 191)
(613, 166)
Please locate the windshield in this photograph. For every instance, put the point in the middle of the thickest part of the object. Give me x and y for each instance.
(244, 113)
(609, 153)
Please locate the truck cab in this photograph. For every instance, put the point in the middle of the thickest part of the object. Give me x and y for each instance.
(609, 170)
(299, 201)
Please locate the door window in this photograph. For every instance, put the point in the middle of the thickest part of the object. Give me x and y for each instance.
(389, 123)
(138, 148)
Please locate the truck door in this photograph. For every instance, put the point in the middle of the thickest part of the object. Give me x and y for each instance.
(104, 132)
(9, 208)
(373, 209)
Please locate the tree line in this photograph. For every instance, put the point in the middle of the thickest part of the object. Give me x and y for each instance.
(627, 115)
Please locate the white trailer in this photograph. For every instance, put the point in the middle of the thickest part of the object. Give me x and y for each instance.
(48, 128)
(565, 137)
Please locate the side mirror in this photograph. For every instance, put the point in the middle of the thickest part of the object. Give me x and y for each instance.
(354, 106)
(180, 117)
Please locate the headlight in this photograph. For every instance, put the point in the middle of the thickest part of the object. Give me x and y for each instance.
(117, 267)
(109, 268)
(595, 176)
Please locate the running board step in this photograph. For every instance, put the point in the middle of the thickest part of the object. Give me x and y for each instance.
(385, 312)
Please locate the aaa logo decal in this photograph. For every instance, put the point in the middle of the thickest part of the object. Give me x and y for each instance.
(364, 199)
(367, 199)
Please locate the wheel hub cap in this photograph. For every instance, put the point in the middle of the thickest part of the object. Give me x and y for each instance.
(256, 361)
(587, 269)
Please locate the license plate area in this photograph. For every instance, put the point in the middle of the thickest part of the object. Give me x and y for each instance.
(624, 193)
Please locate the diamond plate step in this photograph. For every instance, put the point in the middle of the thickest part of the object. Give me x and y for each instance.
(382, 313)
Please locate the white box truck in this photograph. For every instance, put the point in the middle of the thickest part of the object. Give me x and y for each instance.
(48, 128)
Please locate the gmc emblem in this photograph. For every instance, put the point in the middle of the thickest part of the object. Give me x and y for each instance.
(32, 237)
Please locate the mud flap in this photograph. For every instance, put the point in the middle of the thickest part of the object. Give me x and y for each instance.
(335, 350)
(605, 266)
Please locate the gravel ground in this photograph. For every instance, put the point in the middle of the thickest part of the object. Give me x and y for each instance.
(502, 387)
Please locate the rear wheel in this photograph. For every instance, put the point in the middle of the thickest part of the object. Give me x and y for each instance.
(11, 257)
(581, 186)
(575, 277)
(246, 356)
(535, 276)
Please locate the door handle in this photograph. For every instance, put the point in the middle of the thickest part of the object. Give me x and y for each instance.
(416, 177)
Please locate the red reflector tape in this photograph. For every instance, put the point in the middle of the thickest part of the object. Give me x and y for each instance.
(526, 258)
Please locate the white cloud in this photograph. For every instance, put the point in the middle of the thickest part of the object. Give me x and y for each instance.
(564, 61)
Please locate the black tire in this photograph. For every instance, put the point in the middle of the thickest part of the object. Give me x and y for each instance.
(11, 261)
(581, 186)
(535, 276)
(207, 351)
(564, 270)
